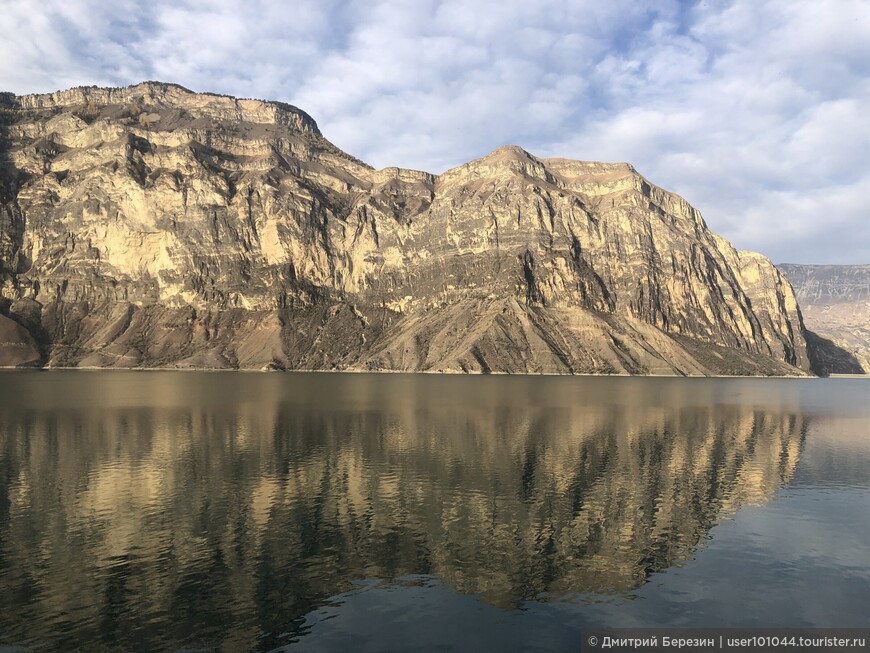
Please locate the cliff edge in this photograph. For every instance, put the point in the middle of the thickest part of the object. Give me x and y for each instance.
(835, 300)
(151, 226)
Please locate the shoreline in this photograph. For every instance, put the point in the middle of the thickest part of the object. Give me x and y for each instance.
(427, 372)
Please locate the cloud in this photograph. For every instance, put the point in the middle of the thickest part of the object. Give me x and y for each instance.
(752, 111)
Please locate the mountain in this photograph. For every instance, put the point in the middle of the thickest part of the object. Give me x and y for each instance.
(150, 226)
(835, 300)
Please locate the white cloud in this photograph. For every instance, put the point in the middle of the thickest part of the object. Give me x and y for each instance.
(753, 111)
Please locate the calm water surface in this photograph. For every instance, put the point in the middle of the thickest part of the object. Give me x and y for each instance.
(322, 512)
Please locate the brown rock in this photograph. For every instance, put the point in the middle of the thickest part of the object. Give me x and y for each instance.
(17, 347)
(158, 227)
(835, 301)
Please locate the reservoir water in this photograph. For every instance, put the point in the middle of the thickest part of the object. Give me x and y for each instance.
(322, 512)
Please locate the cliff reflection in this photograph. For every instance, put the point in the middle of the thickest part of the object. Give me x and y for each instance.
(147, 508)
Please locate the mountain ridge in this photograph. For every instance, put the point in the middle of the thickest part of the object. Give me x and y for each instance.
(154, 226)
(835, 300)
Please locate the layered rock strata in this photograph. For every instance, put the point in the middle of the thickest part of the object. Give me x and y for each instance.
(835, 300)
(150, 226)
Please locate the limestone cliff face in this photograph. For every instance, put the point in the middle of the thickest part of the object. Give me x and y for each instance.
(152, 226)
(835, 300)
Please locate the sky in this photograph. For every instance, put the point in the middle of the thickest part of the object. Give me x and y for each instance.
(757, 112)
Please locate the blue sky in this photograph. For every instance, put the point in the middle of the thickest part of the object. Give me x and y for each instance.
(755, 111)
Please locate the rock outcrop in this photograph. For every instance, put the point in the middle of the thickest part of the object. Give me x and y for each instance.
(835, 300)
(150, 226)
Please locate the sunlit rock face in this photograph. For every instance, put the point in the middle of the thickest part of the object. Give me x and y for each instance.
(835, 301)
(152, 226)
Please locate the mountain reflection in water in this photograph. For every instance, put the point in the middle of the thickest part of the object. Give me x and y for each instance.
(164, 509)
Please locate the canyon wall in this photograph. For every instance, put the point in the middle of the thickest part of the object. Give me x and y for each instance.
(151, 226)
(835, 300)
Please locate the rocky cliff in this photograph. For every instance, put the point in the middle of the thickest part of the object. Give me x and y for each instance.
(835, 300)
(150, 226)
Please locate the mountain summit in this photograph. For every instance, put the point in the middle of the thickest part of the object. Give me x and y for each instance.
(151, 226)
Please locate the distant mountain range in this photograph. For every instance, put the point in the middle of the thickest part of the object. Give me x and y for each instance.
(835, 301)
(150, 226)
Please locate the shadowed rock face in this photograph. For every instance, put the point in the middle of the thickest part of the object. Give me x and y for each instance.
(835, 300)
(151, 226)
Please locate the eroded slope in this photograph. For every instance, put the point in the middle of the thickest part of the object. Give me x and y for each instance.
(152, 226)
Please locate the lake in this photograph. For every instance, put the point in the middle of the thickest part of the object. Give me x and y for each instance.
(322, 512)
